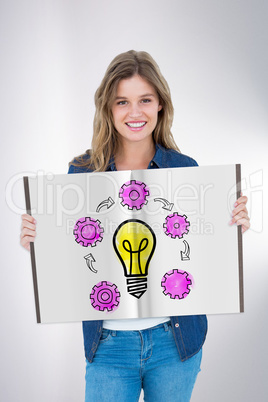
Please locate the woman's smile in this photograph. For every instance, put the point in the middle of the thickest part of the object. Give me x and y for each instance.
(136, 125)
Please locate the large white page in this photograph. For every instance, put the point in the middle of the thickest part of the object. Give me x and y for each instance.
(129, 244)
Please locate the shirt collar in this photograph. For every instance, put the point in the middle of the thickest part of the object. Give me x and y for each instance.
(158, 159)
(159, 156)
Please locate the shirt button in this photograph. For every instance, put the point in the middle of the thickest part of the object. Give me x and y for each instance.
(152, 163)
(176, 325)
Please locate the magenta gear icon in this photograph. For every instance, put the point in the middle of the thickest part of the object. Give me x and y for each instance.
(176, 225)
(105, 296)
(88, 232)
(133, 194)
(176, 284)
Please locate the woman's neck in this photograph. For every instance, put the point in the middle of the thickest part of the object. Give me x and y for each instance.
(134, 156)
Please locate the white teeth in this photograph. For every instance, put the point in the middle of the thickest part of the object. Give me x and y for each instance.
(135, 125)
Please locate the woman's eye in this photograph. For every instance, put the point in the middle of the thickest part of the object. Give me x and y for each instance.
(121, 103)
(146, 100)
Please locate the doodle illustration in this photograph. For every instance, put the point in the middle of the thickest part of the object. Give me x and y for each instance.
(134, 243)
(88, 232)
(176, 284)
(105, 296)
(155, 234)
(89, 260)
(106, 203)
(134, 194)
(185, 255)
(176, 225)
(167, 205)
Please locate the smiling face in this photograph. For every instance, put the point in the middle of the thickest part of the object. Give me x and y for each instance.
(135, 110)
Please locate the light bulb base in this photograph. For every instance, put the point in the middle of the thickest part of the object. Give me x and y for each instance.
(137, 286)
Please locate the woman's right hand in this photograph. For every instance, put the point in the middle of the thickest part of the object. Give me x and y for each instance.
(28, 231)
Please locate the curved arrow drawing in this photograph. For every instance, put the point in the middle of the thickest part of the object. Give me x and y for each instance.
(106, 203)
(89, 260)
(185, 255)
(167, 205)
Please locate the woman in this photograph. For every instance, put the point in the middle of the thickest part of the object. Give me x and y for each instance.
(132, 130)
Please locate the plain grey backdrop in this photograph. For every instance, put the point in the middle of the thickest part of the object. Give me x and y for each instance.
(53, 56)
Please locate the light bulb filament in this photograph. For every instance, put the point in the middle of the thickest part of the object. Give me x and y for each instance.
(128, 247)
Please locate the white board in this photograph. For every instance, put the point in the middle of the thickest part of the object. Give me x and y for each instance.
(97, 233)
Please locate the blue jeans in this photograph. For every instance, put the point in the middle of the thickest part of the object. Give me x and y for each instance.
(127, 361)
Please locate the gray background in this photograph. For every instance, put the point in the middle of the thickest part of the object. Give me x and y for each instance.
(53, 56)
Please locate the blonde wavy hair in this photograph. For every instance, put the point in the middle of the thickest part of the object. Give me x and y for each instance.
(105, 137)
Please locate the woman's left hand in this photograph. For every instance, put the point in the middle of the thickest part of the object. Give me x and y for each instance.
(240, 213)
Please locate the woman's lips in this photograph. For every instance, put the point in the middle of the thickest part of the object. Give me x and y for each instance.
(136, 125)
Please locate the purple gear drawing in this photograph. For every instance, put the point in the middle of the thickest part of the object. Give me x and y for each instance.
(133, 194)
(176, 225)
(88, 232)
(105, 296)
(176, 284)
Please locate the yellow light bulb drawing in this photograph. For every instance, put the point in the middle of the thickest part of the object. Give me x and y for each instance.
(134, 243)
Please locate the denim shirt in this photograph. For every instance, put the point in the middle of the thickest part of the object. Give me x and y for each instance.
(189, 331)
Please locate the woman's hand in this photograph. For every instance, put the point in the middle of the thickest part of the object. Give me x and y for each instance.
(240, 213)
(28, 231)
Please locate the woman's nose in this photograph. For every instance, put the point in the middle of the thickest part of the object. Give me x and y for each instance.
(135, 110)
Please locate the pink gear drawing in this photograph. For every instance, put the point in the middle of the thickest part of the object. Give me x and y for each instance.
(88, 232)
(176, 284)
(133, 194)
(105, 296)
(176, 225)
